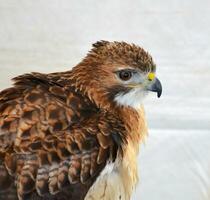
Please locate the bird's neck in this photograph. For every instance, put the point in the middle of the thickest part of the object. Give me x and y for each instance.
(135, 124)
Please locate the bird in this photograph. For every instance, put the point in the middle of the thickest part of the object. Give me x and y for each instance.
(76, 134)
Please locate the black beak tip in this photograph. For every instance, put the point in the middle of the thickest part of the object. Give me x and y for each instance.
(159, 93)
(158, 88)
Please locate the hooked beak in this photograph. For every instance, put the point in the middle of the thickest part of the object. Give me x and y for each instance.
(155, 86)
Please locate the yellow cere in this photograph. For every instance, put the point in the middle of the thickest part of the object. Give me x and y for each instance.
(151, 76)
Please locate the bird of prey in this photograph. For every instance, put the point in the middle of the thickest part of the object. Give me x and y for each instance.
(75, 135)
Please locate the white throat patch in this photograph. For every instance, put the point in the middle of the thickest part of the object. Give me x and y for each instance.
(133, 98)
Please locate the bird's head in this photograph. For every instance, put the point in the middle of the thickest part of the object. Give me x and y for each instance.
(118, 72)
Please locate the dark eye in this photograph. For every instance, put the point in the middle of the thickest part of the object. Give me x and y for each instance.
(125, 75)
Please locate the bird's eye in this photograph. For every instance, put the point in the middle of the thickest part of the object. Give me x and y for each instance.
(125, 75)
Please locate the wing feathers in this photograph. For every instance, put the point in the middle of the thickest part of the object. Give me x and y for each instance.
(52, 139)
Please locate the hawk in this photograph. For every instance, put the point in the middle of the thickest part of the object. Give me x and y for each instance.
(75, 135)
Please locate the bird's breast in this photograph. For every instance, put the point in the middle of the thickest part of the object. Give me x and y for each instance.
(117, 180)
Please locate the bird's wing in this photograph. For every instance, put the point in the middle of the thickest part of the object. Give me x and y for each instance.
(52, 141)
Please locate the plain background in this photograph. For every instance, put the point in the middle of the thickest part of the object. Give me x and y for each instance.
(54, 35)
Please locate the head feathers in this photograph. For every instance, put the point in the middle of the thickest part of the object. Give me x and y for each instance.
(121, 53)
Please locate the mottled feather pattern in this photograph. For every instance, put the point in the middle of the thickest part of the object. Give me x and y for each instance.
(58, 131)
(43, 146)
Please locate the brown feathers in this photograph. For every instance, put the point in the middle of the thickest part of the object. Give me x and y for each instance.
(50, 146)
(59, 130)
(122, 53)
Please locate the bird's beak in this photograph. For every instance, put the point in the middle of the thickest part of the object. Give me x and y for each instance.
(155, 86)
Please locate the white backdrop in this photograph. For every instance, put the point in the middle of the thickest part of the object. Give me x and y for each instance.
(53, 35)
